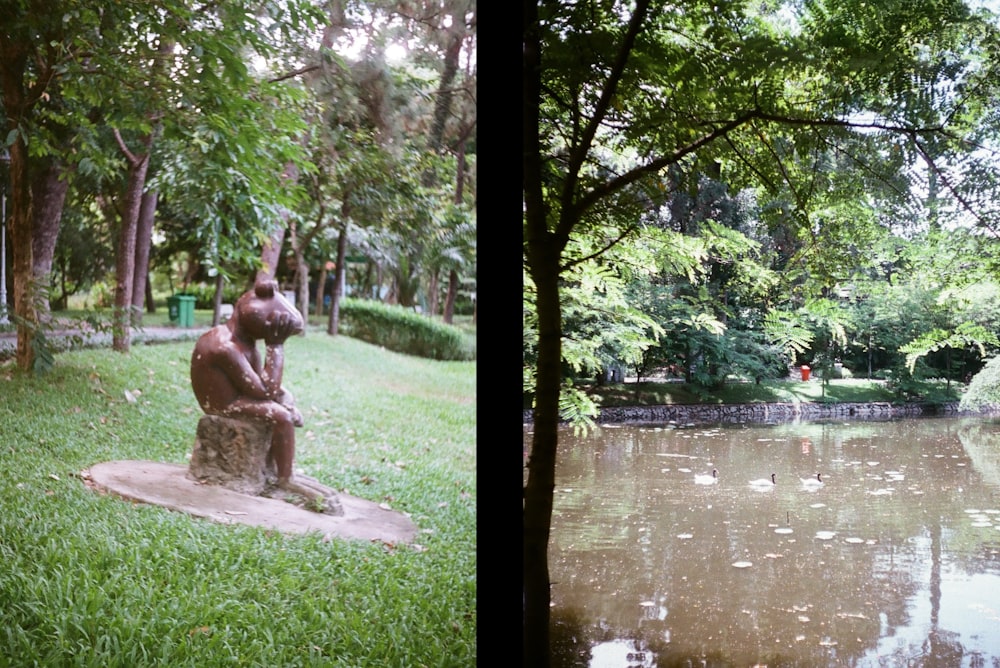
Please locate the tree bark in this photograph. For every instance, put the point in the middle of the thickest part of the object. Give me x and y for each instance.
(299, 246)
(143, 242)
(333, 324)
(432, 294)
(20, 227)
(320, 289)
(449, 303)
(125, 262)
(138, 167)
(271, 253)
(49, 195)
(540, 486)
(220, 282)
(13, 75)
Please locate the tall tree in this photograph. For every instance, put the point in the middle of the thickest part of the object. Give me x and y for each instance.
(615, 93)
(95, 65)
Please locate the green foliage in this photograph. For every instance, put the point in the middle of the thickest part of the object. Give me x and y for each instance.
(788, 332)
(190, 592)
(205, 294)
(403, 330)
(966, 334)
(984, 388)
(653, 393)
(577, 408)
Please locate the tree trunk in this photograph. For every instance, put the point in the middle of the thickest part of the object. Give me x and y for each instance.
(443, 98)
(539, 489)
(48, 195)
(302, 272)
(432, 290)
(22, 265)
(17, 110)
(320, 289)
(150, 302)
(220, 283)
(449, 302)
(407, 282)
(333, 324)
(271, 253)
(543, 252)
(125, 262)
(138, 166)
(143, 242)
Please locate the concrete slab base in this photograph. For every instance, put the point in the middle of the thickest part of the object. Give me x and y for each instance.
(167, 485)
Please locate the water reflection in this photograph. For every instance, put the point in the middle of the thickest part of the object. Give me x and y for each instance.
(893, 560)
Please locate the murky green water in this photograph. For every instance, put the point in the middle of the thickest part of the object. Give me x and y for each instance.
(893, 561)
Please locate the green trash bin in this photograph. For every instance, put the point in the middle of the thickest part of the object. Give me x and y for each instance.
(185, 309)
(174, 308)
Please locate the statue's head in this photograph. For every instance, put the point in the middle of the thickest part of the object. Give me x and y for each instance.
(258, 311)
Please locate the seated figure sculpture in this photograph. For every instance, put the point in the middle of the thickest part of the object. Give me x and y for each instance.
(229, 380)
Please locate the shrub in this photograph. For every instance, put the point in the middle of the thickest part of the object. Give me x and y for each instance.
(984, 388)
(204, 294)
(401, 330)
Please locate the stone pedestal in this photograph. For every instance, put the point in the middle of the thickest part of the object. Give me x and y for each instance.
(232, 453)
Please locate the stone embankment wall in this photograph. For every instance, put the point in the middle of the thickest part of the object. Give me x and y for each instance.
(765, 413)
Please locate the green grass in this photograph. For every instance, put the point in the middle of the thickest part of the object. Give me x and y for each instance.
(93, 580)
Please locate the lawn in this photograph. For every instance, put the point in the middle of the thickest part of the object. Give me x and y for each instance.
(93, 580)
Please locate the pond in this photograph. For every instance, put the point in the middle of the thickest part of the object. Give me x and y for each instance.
(894, 560)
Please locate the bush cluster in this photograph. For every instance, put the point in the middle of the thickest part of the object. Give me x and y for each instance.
(401, 330)
(204, 294)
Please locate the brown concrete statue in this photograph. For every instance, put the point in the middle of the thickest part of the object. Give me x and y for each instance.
(230, 381)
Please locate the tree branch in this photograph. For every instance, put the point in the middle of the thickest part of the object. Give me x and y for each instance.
(131, 157)
(294, 73)
(579, 154)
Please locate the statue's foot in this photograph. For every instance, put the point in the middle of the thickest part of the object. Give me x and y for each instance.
(316, 497)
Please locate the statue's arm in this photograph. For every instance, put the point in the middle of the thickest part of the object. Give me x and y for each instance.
(241, 373)
(281, 327)
(274, 367)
